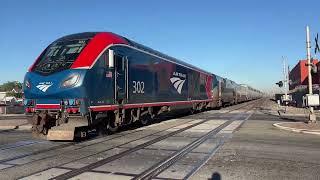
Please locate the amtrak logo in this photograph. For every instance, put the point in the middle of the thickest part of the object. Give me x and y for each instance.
(44, 86)
(177, 81)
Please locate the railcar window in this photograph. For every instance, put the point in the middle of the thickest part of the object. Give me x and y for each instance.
(60, 56)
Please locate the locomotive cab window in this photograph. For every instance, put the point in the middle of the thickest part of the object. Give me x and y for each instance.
(119, 62)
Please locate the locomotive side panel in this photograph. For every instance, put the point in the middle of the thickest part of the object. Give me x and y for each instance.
(152, 79)
(99, 85)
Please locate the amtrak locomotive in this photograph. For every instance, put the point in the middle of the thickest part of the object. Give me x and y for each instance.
(100, 80)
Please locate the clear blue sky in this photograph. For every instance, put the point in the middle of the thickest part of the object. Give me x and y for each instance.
(240, 40)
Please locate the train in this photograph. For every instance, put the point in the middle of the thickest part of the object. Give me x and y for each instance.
(101, 80)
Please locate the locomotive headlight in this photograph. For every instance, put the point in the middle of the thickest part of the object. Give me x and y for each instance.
(71, 80)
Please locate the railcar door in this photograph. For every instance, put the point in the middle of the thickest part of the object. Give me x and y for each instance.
(121, 72)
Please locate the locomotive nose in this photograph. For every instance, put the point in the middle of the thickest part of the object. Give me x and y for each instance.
(55, 86)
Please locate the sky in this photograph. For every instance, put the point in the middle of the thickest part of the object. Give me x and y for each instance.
(240, 40)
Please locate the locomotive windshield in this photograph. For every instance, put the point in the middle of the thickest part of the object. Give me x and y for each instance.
(59, 56)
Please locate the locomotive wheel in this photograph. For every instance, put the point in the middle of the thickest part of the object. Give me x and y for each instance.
(192, 111)
(38, 129)
(102, 128)
(145, 119)
(41, 128)
(111, 127)
(194, 108)
(45, 131)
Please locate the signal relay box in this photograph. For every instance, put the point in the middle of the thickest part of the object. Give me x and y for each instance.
(311, 100)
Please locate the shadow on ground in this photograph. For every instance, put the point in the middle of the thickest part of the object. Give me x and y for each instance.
(281, 116)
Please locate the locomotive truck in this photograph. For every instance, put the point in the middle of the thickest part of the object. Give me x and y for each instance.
(101, 80)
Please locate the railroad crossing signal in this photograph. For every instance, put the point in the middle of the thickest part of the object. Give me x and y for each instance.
(280, 83)
(314, 69)
(317, 48)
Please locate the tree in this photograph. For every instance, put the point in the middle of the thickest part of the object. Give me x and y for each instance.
(17, 95)
(8, 86)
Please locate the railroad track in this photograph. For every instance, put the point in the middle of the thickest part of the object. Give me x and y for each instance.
(81, 145)
(24, 143)
(17, 145)
(78, 144)
(163, 165)
(158, 168)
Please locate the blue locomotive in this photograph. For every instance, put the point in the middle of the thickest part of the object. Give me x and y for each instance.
(103, 80)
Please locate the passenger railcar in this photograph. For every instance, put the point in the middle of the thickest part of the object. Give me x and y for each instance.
(229, 94)
(243, 91)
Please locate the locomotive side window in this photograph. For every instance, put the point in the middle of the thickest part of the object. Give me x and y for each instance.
(105, 59)
(102, 61)
(119, 62)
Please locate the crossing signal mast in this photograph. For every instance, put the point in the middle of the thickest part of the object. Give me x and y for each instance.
(285, 99)
(310, 98)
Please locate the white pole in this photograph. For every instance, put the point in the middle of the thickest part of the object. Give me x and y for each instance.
(309, 60)
(312, 117)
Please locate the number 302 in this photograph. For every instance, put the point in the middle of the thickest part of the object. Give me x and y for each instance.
(138, 87)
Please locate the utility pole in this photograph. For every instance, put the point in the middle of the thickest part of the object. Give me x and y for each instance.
(312, 116)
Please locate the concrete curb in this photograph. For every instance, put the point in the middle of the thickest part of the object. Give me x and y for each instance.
(14, 116)
(18, 127)
(305, 131)
(7, 127)
(25, 127)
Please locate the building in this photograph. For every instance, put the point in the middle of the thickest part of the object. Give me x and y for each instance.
(298, 76)
(10, 104)
(10, 100)
(2, 96)
(298, 81)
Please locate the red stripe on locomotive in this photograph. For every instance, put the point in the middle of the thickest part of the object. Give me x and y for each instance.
(97, 44)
